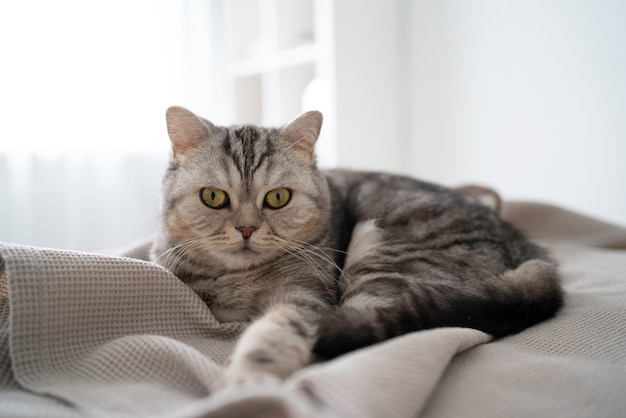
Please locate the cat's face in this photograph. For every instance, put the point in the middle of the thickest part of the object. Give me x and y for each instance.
(240, 197)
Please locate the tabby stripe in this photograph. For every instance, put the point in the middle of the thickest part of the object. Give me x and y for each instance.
(300, 328)
(228, 150)
(267, 152)
(465, 241)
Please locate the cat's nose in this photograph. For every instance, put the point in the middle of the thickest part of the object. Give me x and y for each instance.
(246, 231)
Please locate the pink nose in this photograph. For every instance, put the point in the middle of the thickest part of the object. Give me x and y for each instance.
(246, 231)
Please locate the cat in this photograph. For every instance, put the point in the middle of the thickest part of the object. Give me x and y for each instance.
(324, 262)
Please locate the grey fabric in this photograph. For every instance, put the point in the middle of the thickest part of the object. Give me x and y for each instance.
(95, 335)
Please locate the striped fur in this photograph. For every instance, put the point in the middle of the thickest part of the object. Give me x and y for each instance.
(352, 259)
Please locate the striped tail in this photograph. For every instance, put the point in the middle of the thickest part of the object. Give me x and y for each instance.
(500, 306)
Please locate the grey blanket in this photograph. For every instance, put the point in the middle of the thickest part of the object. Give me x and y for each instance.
(111, 335)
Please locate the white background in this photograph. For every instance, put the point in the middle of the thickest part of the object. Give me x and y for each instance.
(528, 97)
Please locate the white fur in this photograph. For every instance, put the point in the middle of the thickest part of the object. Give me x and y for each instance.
(363, 300)
(365, 238)
(272, 334)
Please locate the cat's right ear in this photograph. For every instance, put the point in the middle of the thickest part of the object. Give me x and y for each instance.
(186, 130)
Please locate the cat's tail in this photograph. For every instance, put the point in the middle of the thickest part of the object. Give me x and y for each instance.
(500, 306)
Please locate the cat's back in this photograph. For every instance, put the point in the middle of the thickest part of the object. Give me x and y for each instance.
(389, 197)
(427, 215)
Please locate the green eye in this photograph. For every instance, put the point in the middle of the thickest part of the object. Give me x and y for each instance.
(214, 198)
(277, 198)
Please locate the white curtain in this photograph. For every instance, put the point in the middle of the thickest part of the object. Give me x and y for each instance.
(83, 91)
(85, 202)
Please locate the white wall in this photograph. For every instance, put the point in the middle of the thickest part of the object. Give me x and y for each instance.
(526, 96)
(369, 52)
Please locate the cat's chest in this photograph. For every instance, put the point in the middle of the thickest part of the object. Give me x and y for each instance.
(233, 297)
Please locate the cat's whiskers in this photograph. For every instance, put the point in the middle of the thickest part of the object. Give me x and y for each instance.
(317, 247)
(284, 245)
(297, 252)
(320, 252)
(305, 252)
(165, 256)
(171, 259)
(306, 256)
(308, 253)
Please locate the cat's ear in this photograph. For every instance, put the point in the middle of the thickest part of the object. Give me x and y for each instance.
(186, 130)
(302, 133)
(484, 195)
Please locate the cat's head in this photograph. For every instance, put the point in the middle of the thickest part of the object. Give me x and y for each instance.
(239, 197)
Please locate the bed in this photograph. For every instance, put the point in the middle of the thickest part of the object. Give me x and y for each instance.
(112, 335)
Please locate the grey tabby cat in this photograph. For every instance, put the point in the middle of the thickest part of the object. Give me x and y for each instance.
(324, 262)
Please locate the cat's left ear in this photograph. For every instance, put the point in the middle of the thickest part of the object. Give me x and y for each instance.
(302, 133)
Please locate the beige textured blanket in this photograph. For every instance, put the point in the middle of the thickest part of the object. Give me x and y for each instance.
(95, 335)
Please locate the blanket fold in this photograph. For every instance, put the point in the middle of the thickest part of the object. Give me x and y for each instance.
(103, 335)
